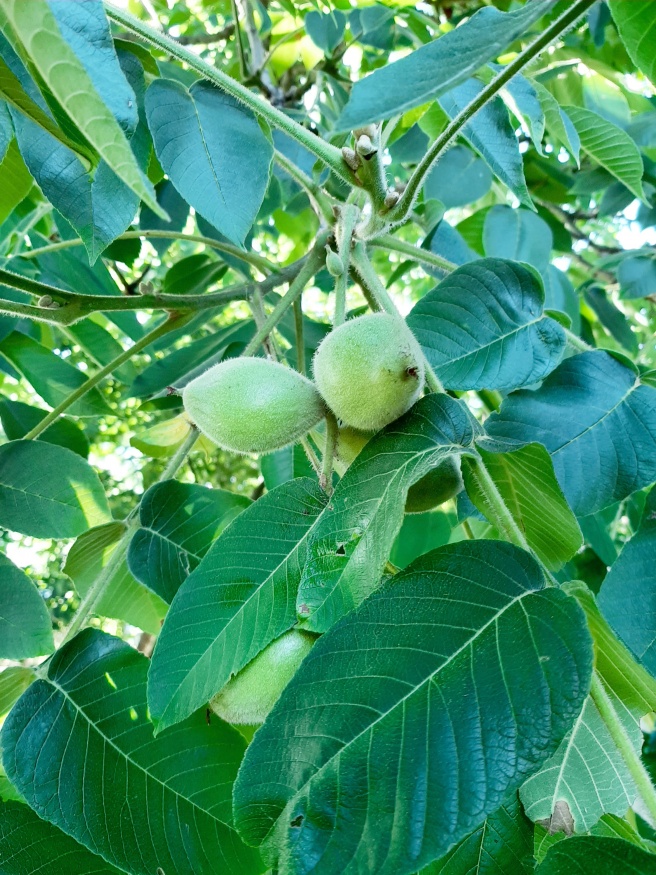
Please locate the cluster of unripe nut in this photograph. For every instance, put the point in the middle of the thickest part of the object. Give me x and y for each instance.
(368, 372)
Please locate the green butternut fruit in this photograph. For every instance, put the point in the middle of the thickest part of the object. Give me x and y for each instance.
(349, 443)
(436, 487)
(370, 370)
(249, 696)
(252, 405)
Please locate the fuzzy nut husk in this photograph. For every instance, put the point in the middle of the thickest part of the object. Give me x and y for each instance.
(370, 370)
(436, 487)
(249, 696)
(252, 405)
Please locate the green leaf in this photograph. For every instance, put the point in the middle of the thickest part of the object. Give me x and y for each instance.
(436, 68)
(419, 533)
(13, 683)
(176, 207)
(490, 133)
(29, 844)
(48, 492)
(352, 541)
(610, 146)
(411, 704)
(483, 327)
(51, 377)
(502, 845)
(123, 597)
(239, 598)
(179, 521)
(283, 465)
(558, 123)
(527, 484)
(148, 803)
(627, 595)
(15, 181)
(611, 317)
(521, 98)
(25, 627)
(637, 276)
(213, 150)
(594, 854)
(101, 348)
(586, 413)
(458, 178)
(71, 86)
(18, 418)
(13, 92)
(637, 26)
(518, 235)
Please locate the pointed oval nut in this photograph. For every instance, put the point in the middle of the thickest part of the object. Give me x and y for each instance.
(250, 695)
(370, 370)
(334, 264)
(251, 405)
(350, 441)
(436, 487)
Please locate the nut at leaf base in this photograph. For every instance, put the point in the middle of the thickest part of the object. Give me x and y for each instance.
(370, 370)
(249, 696)
(252, 405)
(436, 487)
(349, 443)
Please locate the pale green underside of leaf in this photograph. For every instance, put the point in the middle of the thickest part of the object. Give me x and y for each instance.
(526, 481)
(36, 28)
(79, 746)
(13, 683)
(409, 706)
(582, 855)
(610, 147)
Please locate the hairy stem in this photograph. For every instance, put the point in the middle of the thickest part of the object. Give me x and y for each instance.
(95, 592)
(329, 154)
(249, 257)
(371, 281)
(173, 321)
(300, 339)
(332, 432)
(309, 269)
(416, 253)
(623, 743)
(403, 208)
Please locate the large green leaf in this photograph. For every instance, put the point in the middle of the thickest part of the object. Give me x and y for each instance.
(13, 683)
(213, 150)
(628, 598)
(502, 845)
(483, 327)
(79, 746)
(518, 235)
(123, 597)
(15, 181)
(51, 377)
(241, 596)
(527, 484)
(437, 67)
(31, 845)
(68, 81)
(610, 146)
(409, 722)
(637, 276)
(587, 413)
(179, 521)
(458, 178)
(19, 418)
(584, 854)
(48, 492)
(637, 26)
(25, 627)
(352, 541)
(489, 132)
